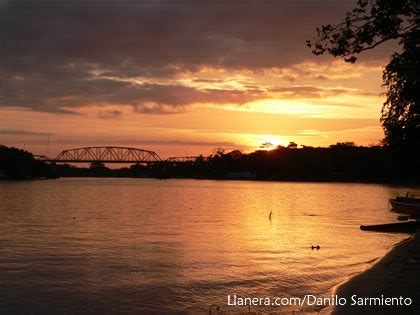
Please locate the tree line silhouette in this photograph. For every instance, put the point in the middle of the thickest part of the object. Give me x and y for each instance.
(339, 162)
(20, 164)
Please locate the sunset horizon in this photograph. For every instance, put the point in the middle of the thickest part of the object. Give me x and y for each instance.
(207, 87)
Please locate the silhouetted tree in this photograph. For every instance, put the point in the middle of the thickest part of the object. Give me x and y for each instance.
(20, 164)
(97, 166)
(266, 145)
(99, 169)
(368, 25)
(292, 145)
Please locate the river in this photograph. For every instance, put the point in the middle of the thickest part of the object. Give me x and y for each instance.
(81, 245)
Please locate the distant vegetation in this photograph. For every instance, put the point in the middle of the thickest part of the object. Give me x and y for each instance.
(339, 162)
(20, 164)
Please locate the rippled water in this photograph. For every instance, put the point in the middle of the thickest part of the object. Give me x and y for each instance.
(133, 245)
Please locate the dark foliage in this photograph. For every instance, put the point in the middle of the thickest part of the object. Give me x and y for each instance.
(20, 164)
(371, 23)
(401, 111)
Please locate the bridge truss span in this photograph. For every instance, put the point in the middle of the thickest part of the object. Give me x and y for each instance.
(109, 154)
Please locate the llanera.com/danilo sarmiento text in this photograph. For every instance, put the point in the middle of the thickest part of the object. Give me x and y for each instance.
(313, 300)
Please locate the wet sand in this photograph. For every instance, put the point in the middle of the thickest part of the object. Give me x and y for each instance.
(396, 275)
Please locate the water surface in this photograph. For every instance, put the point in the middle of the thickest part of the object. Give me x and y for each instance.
(133, 245)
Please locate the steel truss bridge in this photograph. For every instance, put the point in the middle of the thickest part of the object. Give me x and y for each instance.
(112, 154)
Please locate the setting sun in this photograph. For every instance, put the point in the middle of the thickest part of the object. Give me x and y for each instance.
(268, 142)
(271, 142)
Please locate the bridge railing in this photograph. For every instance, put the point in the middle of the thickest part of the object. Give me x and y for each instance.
(107, 155)
(111, 154)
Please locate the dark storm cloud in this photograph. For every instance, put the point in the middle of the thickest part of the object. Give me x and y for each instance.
(149, 33)
(52, 52)
(64, 95)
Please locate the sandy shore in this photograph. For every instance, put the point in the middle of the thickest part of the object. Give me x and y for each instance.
(396, 275)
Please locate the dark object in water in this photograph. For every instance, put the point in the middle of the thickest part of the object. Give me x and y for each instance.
(269, 216)
(407, 205)
(403, 218)
(317, 247)
(406, 227)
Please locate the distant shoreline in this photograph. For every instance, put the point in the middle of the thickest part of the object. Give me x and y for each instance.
(342, 162)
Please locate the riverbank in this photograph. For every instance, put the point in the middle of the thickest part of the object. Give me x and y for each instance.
(394, 276)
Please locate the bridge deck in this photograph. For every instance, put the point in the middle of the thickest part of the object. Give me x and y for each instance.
(112, 154)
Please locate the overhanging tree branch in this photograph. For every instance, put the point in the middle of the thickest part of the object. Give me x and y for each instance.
(366, 27)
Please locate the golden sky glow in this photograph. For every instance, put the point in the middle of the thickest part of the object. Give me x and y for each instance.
(233, 85)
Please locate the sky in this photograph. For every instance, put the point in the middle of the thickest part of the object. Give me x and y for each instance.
(180, 77)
